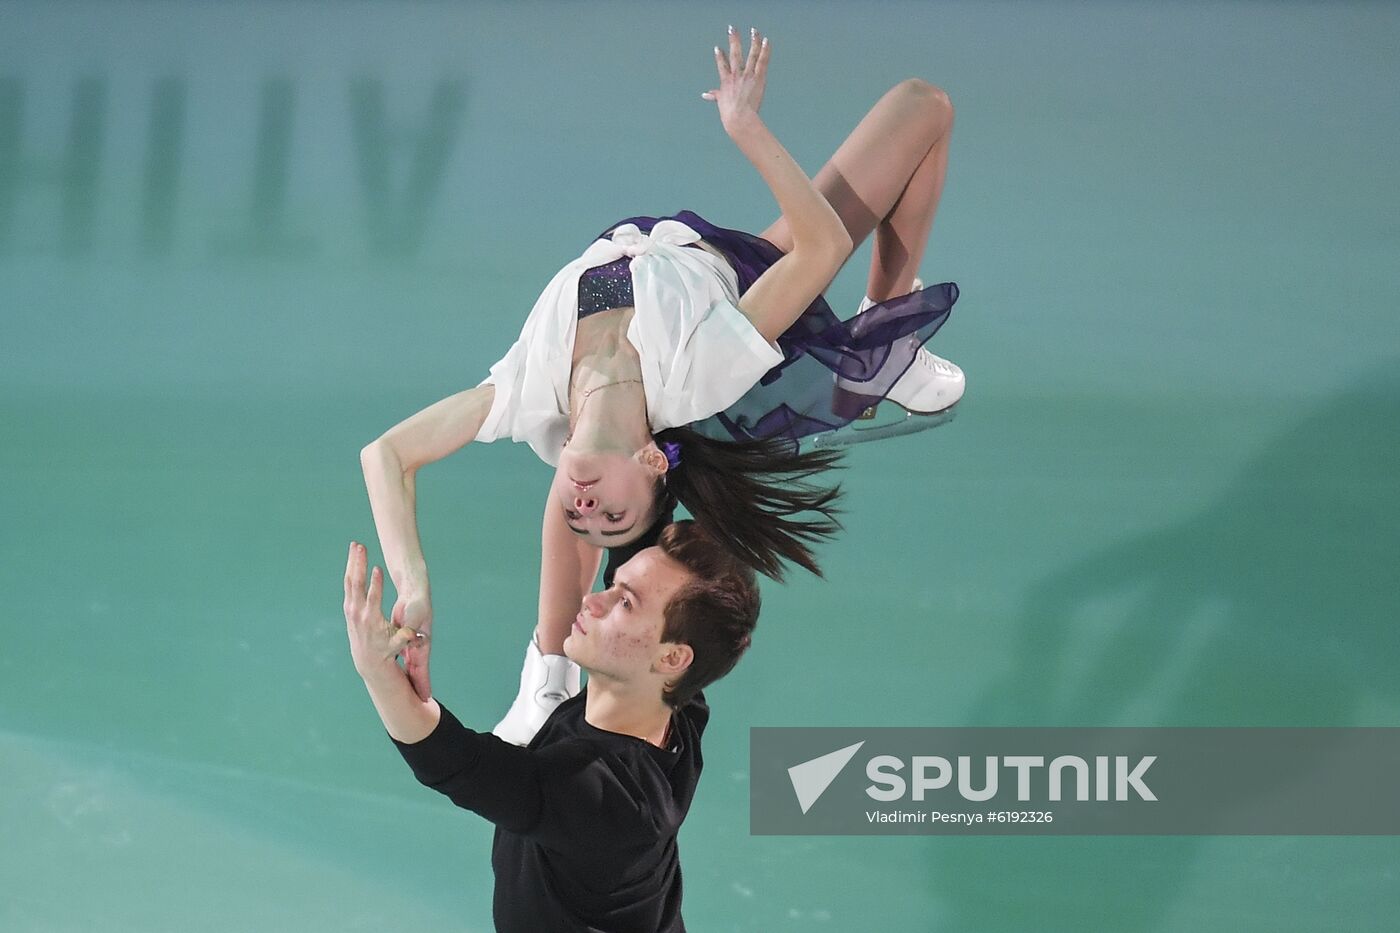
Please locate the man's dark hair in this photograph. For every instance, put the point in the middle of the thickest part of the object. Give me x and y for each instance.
(714, 612)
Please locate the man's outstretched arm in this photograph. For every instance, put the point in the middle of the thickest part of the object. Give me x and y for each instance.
(566, 802)
(375, 645)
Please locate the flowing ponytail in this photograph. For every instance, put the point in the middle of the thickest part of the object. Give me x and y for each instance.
(750, 497)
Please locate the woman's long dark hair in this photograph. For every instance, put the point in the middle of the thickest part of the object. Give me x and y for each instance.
(750, 496)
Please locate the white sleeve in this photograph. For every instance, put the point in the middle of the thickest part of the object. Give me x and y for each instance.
(532, 379)
(506, 376)
(727, 356)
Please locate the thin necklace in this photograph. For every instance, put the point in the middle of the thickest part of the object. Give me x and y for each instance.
(606, 385)
(584, 401)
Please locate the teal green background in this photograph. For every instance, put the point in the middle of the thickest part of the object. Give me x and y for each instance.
(239, 240)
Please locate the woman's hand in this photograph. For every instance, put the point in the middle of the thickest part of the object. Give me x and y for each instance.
(415, 612)
(374, 641)
(741, 80)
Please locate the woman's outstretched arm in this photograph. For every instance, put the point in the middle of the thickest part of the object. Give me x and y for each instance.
(820, 240)
(568, 567)
(390, 465)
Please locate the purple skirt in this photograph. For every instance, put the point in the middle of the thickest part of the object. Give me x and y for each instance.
(798, 397)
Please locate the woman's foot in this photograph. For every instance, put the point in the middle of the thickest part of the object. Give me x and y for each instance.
(546, 680)
(930, 385)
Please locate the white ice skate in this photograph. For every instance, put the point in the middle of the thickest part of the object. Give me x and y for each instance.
(927, 392)
(546, 680)
(930, 386)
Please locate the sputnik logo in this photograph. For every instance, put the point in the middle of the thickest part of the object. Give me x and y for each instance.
(810, 779)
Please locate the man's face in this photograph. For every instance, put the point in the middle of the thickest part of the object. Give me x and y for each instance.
(618, 631)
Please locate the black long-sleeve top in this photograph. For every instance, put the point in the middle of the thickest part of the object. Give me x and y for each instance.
(586, 819)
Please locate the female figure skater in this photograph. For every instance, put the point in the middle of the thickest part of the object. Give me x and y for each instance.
(680, 361)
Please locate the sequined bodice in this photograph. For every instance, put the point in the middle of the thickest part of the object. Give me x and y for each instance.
(603, 288)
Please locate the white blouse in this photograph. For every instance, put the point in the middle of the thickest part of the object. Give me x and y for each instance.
(698, 351)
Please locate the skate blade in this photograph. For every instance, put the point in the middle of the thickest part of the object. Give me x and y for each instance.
(862, 430)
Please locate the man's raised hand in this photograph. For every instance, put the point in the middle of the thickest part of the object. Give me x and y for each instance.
(374, 642)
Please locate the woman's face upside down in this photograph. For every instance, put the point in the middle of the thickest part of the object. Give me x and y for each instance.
(608, 499)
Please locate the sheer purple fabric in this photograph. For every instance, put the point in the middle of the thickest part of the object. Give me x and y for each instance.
(799, 397)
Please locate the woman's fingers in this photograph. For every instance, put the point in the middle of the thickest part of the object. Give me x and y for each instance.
(751, 62)
(735, 62)
(416, 664)
(422, 683)
(405, 637)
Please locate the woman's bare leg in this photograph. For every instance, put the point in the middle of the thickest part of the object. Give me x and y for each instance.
(887, 177)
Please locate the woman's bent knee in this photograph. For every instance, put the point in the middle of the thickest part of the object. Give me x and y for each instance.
(927, 95)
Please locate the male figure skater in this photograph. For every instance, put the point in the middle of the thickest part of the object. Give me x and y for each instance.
(586, 815)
